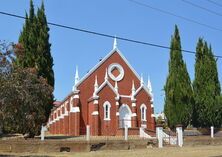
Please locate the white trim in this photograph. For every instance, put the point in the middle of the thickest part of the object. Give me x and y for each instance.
(117, 97)
(117, 113)
(152, 106)
(143, 117)
(61, 116)
(143, 125)
(133, 104)
(76, 97)
(125, 96)
(119, 68)
(106, 82)
(133, 115)
(57, 119)
(105, 104)
(117, 103)
(74, 109)
(95, 102)
(103, 60)
(95, 113)
(142, 87)
(152, 115)
(66, 113)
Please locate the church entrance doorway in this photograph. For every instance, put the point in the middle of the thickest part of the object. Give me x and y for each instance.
(124, 116)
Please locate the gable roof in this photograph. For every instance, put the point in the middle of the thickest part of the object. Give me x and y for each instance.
(103, 60)
(109, 85)
(145, 89)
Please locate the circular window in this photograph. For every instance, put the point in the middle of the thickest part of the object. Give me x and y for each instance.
(116, 72)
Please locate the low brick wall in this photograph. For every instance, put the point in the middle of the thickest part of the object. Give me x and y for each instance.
(53, 146)
(202, 140)
(34, 146)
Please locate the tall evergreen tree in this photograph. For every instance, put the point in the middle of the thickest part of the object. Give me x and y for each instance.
(44, 60)
(206, 86)
(28, 40)
(178, 90)
(34, 41)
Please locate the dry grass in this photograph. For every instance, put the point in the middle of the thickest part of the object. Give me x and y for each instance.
(188, 151)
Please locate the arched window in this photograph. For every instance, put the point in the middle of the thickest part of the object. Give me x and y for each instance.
(143, 112)
(106, 107)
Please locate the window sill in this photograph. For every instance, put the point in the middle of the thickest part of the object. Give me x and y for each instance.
(107, 119)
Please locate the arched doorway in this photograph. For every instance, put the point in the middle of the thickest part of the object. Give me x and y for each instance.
(125, 116)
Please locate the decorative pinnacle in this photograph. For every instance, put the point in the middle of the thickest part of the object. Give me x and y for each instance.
(141, 80)
(95, 84)
(76, 79)
(149, 86)
(106, 75)
(133, 86)
(115, 43)
(76, 76)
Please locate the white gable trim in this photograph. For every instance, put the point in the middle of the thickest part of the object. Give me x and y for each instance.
(103, 85)
(143, 87)
(103, 60)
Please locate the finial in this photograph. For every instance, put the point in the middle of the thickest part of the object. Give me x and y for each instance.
(115, 43)
(141, 80)
(149, 86)
(133, 90)
(133, 86)
(76, 79)
(95, 84)
(76, 76)
(106, 75)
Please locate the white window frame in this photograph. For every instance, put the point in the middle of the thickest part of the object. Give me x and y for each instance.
(143, 114)
(107, 106)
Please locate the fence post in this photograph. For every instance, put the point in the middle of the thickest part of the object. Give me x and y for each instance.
(87, 133)
(159, 135)
(43, 129)
(157, 132)
(179, 135)
(212, 131)
(126, 133)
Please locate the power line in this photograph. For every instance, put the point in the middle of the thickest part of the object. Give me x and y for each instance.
(175, 15)
(215, 3)
(105, 35)
(203, 8)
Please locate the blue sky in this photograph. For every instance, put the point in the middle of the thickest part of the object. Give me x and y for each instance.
(122, 18)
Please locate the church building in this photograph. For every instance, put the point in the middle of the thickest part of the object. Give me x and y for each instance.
(110, 97)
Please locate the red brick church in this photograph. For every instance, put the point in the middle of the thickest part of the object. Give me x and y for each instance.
(108, 98)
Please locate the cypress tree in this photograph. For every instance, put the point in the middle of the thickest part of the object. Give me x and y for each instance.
(44, 60)
(27, 39)
(178, 90)
(206, 88)
(34, 40)
(35, 44)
